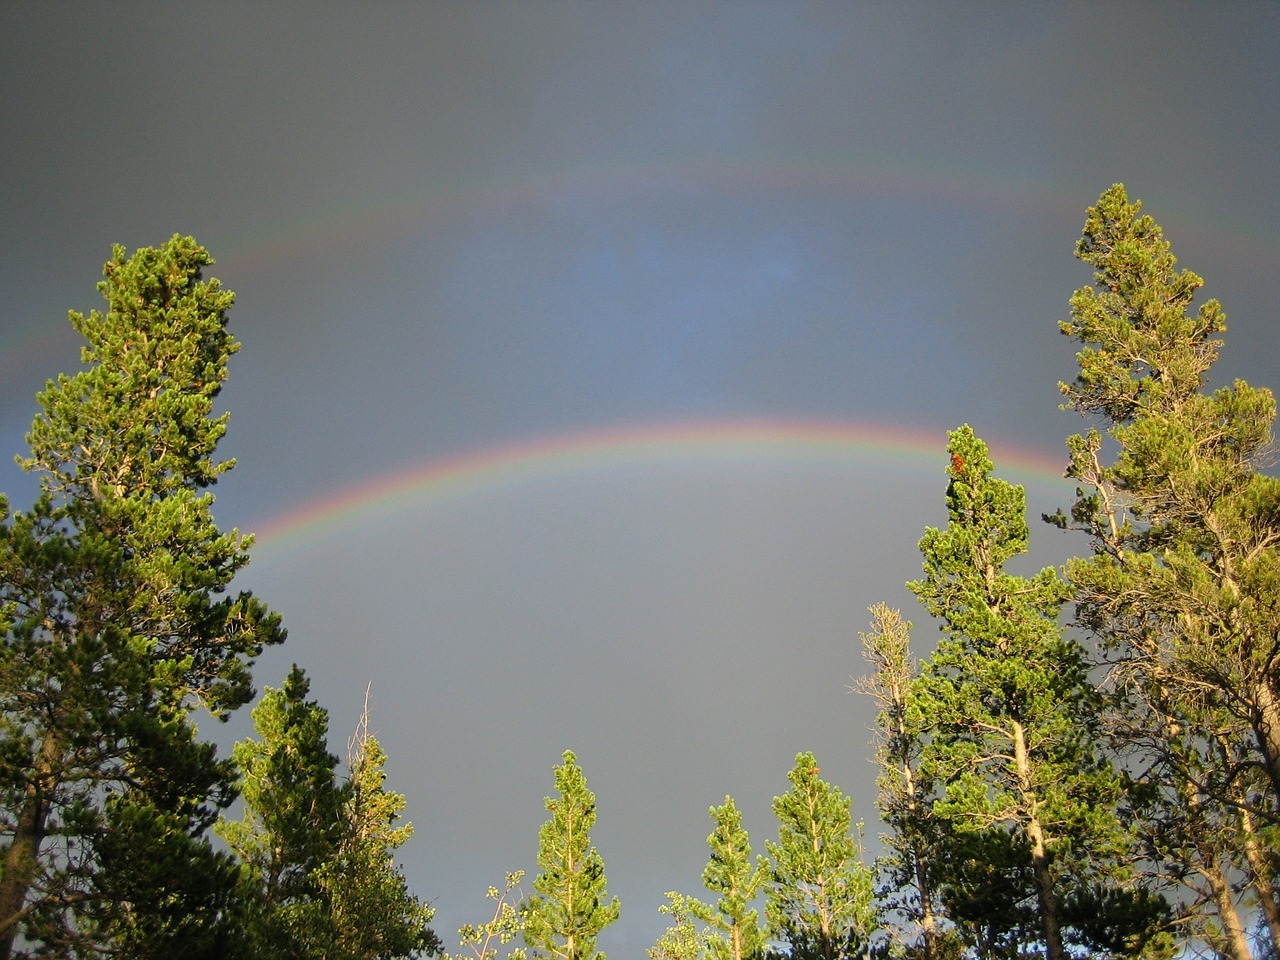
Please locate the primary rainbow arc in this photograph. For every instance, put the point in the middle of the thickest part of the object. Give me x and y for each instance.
(885, 448)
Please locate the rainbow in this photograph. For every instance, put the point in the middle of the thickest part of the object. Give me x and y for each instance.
(412, 206)
(879, 449)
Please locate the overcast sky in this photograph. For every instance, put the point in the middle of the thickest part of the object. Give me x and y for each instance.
(548, 259)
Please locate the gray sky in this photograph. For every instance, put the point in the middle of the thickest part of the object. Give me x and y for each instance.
(510, 250)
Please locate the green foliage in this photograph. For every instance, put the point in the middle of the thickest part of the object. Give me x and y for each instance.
(684, 939)
(1180, 589)
(1010, 720)
(116, 625)
(373, 913)
(161, 906)
(292, 821)
(737, 881)
(1010, 831)
(731, 929)
(316, 853)
(569, 908)
(907, 868)
(507, 923)
(819, 897)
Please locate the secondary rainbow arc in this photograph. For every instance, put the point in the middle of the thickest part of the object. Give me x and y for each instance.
(400, 210)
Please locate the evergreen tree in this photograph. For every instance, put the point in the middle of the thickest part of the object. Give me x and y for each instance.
(904, 797)
(1011, 718)
(116, 625)
(735, 929)
(293, 821)
(569, 908)
(1181, 585)
(819, 898)
(373, 913)
(316, 853)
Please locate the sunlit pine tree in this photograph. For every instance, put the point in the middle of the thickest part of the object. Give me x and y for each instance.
(292, 822)
(1180, 590)
(737, 881)
(570, 905)
(819, 899)
(1012, 723)
(373, 913)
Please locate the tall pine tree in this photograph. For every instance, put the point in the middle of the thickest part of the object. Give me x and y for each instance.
(1012, 722)
(1181, 586)
(116, 625)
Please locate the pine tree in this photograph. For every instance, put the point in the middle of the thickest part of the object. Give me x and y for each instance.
(1011, 719)
(904, 797)
(569, 908)
(116, 626)
(373, 913)
(1181, 585)
(292, 824)
(819, 898)
(737, 880)
(316, 853)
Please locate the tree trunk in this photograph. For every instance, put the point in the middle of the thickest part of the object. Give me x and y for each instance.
(1261, 878)
(1235, 945)
(1050, 921)
(1267, 731)
(1208, 857)
(928, 922)
(21, 859)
